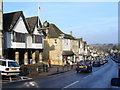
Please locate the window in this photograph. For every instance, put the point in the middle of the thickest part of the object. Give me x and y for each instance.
(55, 41)
(37, 39)
(13, 64)
(3, 63)
(18, 37)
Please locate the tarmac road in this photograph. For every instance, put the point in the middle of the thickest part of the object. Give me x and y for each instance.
(99, 78)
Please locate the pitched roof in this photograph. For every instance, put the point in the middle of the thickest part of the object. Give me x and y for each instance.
(32, 21)
(81, 39)
(10, 19)
(67, 53)
(55, 32)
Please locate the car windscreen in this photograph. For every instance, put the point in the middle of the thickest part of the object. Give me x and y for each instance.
(96, 61)
(13, 64)
(81, 63)
(3, 63)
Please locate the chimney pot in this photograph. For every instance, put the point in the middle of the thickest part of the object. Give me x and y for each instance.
(71, 33)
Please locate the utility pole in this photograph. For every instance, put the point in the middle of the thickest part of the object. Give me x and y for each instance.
(1, 28)
(38, 14)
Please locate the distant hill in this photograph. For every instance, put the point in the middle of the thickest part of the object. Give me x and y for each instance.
(105, 47)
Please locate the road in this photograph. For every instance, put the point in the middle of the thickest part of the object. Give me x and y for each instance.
(99, 78)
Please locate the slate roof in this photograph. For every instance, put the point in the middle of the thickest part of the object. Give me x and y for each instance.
(10, 19)
(81, 39)
(32, 21)
(55, 32)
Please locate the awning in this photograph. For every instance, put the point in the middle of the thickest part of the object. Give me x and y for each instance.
(67, 53)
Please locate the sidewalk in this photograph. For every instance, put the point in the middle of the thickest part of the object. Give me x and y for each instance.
(52, 71)
(35, 74)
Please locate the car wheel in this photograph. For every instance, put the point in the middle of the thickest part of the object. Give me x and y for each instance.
(90, 70)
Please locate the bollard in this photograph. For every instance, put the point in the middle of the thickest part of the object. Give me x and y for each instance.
(43, 67)
(63, 68)
(46, 68)
(57, 69)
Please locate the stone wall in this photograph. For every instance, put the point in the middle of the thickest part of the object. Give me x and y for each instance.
(53, 50)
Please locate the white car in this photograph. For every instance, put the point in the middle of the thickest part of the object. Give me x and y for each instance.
(9, 67)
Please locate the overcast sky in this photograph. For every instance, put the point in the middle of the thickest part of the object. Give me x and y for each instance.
(96, 22)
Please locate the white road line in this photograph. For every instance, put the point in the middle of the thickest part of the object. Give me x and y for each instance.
(86, 76)
(22, 80)
(71, 84)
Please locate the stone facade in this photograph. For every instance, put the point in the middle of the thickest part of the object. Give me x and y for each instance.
(53, 50)
(58, 45)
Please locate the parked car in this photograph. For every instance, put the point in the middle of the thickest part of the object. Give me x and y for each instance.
(105, 61)
(89, 62)
(102, 62)
(9, 67)
(95, 63)
(84, 67)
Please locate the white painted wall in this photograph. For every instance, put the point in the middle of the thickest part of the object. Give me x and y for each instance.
(36, 31)
(29, 41)
(19, 27)
(66, 45)
(38, 45)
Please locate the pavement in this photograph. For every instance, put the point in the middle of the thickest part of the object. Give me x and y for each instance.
(51, 71)
(36, 74)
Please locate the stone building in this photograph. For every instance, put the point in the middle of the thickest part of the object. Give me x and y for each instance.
(83, 50)
(22, 39)
(57, 45)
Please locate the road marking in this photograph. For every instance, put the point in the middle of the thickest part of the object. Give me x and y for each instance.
(86, 76)
(22, 80)
(71, 84)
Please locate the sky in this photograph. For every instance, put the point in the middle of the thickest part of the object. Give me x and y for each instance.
(95, 22)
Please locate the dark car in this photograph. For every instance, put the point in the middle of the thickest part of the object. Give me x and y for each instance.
(105, 61)
(95, 63)
(83, 67)
(102, 62)
(116, 60)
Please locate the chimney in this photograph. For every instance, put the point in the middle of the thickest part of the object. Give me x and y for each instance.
(71, 33)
